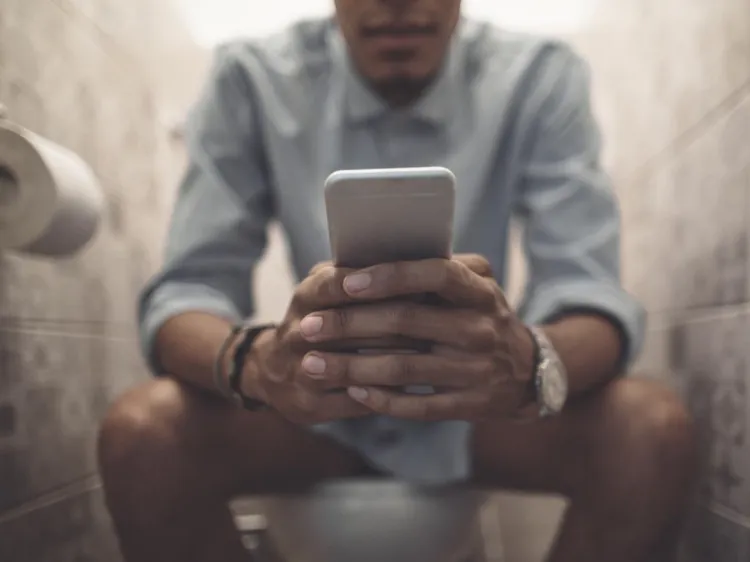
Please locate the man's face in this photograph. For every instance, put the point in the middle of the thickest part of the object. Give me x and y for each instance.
(397, 42)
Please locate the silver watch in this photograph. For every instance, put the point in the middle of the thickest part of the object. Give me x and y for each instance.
(550, 376)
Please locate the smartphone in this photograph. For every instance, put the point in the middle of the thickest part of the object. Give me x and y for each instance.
(388, 215)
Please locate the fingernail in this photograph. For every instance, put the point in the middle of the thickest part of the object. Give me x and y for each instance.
(311, 325)
(314, 365)
(357, 393)
(357, 282)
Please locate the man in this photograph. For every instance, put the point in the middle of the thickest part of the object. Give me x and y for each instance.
(389, 84)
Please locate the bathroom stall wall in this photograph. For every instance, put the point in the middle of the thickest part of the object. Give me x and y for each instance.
(101, 77)
(673, 90)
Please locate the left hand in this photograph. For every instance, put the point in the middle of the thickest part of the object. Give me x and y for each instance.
(481, 360)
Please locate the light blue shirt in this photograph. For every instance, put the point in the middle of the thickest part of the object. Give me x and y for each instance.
(509, 114)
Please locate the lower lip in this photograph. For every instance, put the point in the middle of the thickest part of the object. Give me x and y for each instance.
(398, 42)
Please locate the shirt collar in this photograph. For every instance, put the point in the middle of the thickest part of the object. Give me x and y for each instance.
(434, 107)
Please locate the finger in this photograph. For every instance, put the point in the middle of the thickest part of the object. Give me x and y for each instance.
(308, 406)
(323, 288)
(339, 406)
(381, 344)
(295, 340)
(475, 263)
(460, 405)
(333, 370)
(320, 266)
(451, 280)
(465, 329)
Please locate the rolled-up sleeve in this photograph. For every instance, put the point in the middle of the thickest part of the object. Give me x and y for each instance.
(218, 227)
(569, 211)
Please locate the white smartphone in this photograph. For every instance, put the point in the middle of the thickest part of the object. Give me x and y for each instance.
(387, 215)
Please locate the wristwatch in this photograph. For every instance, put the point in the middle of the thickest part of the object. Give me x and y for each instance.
(550, 378)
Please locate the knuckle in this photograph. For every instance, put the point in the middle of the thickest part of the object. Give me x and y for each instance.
(337, 368)
(404, 317)
(284, 338)
(342, 319)
(457, 275)
(304, 405)
(402, 369)
(485, 335)
(481, 266)
(300, 297)
(489, 295)
(393, 277)
(485, 368)
(394, 270)
(331, 287)
(381, 403)
(501, 365)
(321, 287)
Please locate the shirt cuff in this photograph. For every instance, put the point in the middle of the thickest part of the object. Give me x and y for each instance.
(172, 299)
(612, 301)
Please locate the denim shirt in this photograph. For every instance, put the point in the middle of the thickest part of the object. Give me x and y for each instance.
(509, 114)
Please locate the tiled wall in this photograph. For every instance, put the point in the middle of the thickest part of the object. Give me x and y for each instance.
(673, 85)
(76, 71)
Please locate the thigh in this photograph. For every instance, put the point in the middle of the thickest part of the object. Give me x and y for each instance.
(620, 430)
(191, 434)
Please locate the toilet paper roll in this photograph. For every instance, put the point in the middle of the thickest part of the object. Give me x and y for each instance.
(50, 201)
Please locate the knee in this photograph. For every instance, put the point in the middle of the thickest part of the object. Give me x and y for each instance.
(140, 431)
(647, 428)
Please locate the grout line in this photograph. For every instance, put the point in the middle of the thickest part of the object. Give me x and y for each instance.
(67, 491)
(68, 329)
(708, 312)
(689, 135)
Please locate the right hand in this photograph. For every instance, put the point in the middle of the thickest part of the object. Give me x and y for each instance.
(274, 373)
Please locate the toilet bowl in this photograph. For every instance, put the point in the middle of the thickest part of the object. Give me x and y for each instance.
(376, 521)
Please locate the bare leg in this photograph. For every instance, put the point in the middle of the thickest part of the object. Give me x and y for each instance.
(624, 455)
(171, 457)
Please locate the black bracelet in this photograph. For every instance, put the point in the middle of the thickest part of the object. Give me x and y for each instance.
(248, 334)
(220, 376)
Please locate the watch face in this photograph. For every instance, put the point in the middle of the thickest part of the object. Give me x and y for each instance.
(554, 387)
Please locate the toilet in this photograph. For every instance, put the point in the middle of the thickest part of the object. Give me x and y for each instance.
(370, 521)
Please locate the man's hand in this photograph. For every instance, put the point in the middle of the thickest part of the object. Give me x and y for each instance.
(481, 360)
(274, 371)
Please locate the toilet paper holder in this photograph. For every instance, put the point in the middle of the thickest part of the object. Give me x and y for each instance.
(51, 202)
